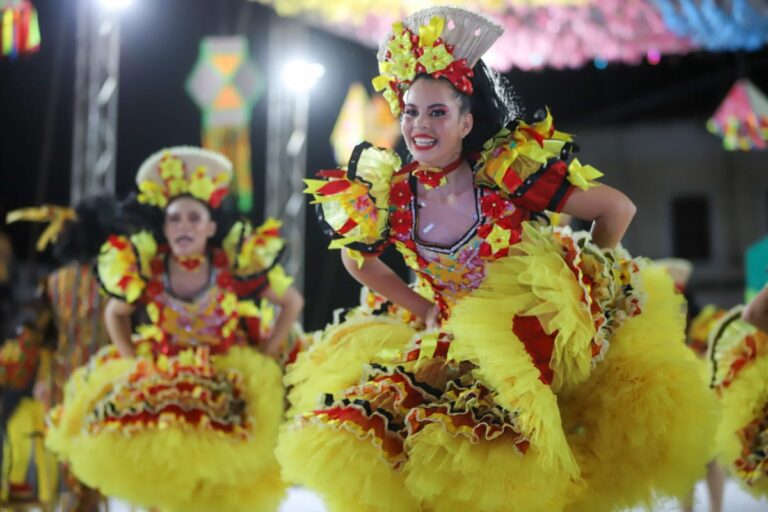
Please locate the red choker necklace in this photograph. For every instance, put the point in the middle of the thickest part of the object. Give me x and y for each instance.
(433, 177)
(191, 263)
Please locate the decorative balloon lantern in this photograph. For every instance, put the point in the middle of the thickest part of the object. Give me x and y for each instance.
(225, 85)
(19, 29)
(742, 118)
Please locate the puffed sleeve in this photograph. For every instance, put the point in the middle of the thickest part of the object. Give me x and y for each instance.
(254, 254)
(124, 265)
(353, 203)
(532, 165)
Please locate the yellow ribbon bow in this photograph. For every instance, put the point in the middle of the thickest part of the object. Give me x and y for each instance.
(582, 175)
(56, 216)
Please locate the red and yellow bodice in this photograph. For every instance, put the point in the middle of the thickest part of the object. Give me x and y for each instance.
(373, 203)
(223, 314)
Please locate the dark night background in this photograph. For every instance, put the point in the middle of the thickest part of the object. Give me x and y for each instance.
(160, 41)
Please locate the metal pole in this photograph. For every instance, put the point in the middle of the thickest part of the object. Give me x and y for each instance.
(95, 117)
(287, 119)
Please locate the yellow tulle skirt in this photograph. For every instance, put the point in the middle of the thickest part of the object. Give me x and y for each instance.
(619, 414)
(739, 359)
(185, 433)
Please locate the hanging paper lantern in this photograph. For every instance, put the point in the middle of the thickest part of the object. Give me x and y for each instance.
(225, 85)
(356, 11)
(537, 34)
(362, 119)
(742, 118)
(602, 32)
(19, 29)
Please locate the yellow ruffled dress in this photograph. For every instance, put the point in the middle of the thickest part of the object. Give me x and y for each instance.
(190, 424)
(738, 354)
(558, 379)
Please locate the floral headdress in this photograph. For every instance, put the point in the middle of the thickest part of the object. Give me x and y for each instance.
(444, 42)
(184, 170)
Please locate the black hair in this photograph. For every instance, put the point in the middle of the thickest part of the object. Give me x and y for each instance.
(137, 216)
(80, 240)
(491, 104)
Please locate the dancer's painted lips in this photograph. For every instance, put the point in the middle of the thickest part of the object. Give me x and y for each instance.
(423, 142)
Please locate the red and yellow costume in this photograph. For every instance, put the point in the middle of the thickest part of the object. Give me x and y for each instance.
(190, 423)
(25, 359)
(738, 355)
(558, 379)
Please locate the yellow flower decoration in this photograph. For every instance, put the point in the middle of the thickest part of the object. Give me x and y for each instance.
(171, 167)
(229, 303)
(201, 185)
(436, 58)
(247, 308)
(400, 44)
(11, 352)
(229, 327)
(267, 312)
(144, 349)
(162, 363)
(279, 281)
(498, 238)
(150, 332)
(153, 312)
(177, 186)
(151, 193)
(404, 67)
(187, 357)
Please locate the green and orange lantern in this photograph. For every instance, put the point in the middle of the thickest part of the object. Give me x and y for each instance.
(225, 85)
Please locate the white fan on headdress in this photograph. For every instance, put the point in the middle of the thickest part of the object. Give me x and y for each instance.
(470, 34)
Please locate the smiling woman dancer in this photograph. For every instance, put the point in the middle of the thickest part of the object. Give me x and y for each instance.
(551, 374)
(183, 414)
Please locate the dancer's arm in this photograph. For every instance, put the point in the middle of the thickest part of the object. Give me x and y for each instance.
(376, 275)
(291, 303)
(756, 312)
(609, 209)
(117, 318)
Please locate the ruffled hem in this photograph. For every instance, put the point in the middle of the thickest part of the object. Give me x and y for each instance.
(609, 427)
(639, 422)
(446, 472)
(348, 472)
(336, 359)
(643, 424)
(166, 464)
(740, 354)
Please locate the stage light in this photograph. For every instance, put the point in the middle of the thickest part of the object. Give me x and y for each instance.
(301, 75)
(116, 4)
